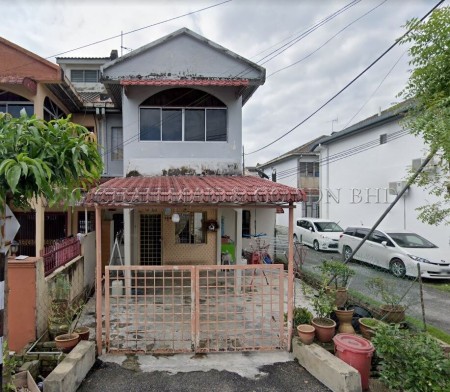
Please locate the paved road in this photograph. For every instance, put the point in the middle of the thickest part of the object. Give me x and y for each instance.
(436, 302)
(277, 377)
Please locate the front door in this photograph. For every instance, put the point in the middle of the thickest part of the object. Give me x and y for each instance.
(150, 239)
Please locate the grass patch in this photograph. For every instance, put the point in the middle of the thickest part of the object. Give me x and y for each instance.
(441, 286)
(433, 331)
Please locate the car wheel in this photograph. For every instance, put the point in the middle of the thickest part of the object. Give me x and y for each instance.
(316, 245)
(397, 268)
(295, 238)
(347, 253)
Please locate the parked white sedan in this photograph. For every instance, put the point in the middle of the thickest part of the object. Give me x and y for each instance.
(321, 234)
(396, 250)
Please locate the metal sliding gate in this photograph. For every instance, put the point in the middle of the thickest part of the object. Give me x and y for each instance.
(170, 309)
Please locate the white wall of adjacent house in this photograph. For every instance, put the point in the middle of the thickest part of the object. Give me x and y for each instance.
(355, 185)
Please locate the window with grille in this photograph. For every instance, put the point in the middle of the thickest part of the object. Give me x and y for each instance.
(183, 114)
(84, 75)
(309, 169)
(190, 230)
(82, 223)
(150, 239)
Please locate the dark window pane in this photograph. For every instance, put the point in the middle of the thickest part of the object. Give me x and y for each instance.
(216, 125)
(91, 76)
(150, 126)
(14, 110)
(76, 75)
(183, 97)
(194, 125)
(171, 125)
(3, 108)
(246, 222)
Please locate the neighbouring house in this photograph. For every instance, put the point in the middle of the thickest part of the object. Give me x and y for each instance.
(298, 168)
(363, 167)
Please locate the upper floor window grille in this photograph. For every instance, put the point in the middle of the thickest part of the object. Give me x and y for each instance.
(309, 169)
(84, 75)
(183, 114)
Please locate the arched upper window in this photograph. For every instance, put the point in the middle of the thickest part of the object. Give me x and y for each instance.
(183, 114)
(51, 110)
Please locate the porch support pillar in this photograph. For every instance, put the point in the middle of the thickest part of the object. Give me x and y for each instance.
(238, 243)
(290, 293)
(128, 231)
(40, 227)
(98, 278)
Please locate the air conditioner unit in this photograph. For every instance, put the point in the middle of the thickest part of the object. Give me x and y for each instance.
(396, 187)
(430, 167)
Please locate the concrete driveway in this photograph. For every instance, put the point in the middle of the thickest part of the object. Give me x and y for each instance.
(225, 372)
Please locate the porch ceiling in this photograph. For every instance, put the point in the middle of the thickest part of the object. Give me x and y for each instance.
(187, 190)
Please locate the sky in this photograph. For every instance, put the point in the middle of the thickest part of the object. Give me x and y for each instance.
(321, 44)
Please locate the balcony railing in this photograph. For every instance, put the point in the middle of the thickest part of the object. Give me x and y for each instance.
(60, 253)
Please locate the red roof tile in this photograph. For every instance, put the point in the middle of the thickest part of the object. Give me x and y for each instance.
(133, 191)
(185, 82)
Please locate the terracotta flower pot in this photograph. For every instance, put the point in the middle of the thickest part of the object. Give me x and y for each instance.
(306, 333)
(392, 314)
(325, 328)
(67, 341)
(345, 321)
(83, 332)
(340, 294)
(368, 327)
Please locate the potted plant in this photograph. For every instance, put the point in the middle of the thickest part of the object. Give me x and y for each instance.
(336, 277)
(324, 304)
(302, 322)
(368, 326)
(62, 314)
(391, 311)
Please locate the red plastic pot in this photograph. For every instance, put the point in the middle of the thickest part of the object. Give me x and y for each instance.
(357, 352)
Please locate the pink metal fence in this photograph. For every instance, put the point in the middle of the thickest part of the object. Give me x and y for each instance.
(169, 309)
(60, 253)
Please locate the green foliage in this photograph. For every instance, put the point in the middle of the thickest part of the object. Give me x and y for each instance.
(411, 362)
(323, 303)
(336, 270)
(385, 291)
(301, 316)
(54, 160)
(9, 366)
(428, 88)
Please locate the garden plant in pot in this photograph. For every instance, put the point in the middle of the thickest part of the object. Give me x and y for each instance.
(323, 304)
(302, 322)
(336, 278)
(392, 311)
(368, 326)
(62, 315)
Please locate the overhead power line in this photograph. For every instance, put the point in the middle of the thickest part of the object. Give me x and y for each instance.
(345, 87)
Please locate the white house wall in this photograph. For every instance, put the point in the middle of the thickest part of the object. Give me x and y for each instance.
(355, 187)
(156, 157)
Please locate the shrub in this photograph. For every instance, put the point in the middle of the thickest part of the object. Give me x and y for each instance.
(411, 362)
(301, 316)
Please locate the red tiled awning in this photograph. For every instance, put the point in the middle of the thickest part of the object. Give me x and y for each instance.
(209, 190)
(185, 82)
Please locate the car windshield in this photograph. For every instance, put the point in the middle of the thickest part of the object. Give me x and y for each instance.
(411, 240)
(328, 226)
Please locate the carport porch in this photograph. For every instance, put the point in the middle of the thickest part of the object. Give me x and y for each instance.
(151, 194)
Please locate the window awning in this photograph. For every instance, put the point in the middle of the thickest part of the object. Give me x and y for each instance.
(190, 190)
